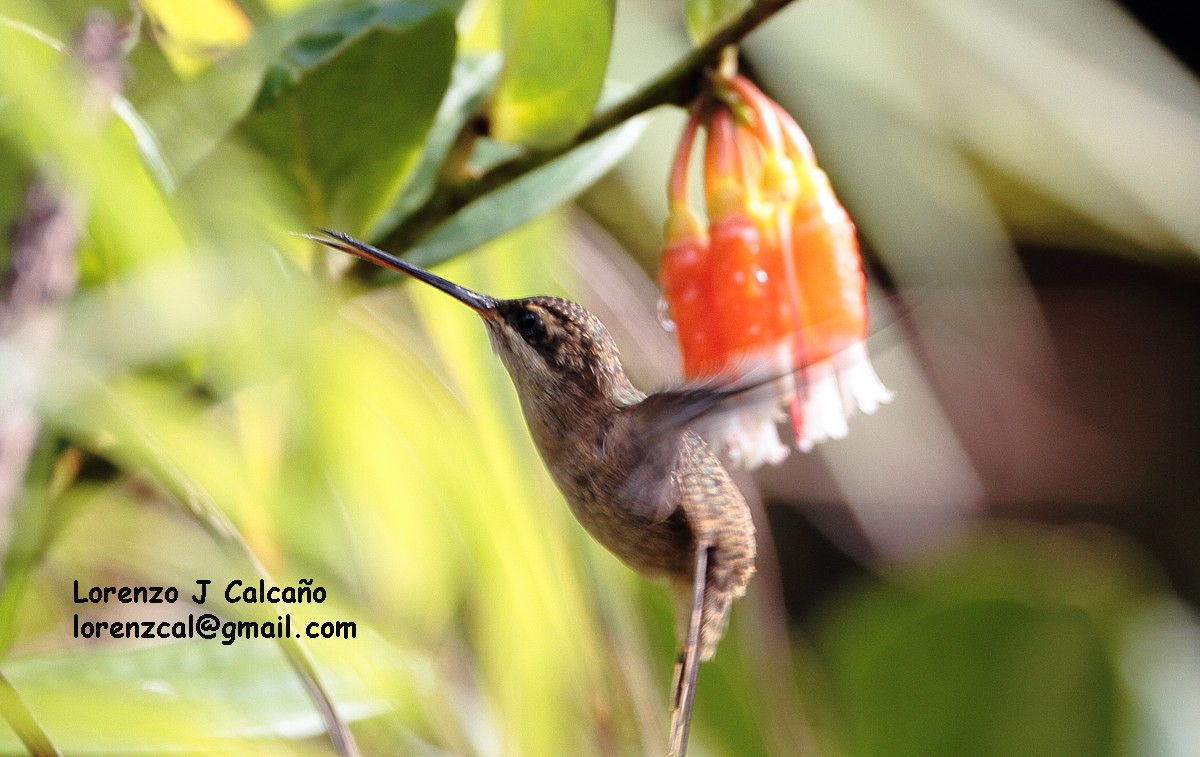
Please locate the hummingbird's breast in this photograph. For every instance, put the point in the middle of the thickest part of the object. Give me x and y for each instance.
(694, 504)
(706, 511)
(662, 549)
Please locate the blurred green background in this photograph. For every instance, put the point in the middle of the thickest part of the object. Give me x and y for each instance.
(1002, 562)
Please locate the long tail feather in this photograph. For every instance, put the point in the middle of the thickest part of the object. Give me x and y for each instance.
(689, 663)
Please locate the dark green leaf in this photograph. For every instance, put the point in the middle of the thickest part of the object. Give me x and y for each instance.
(530, 196)
(470, 83)
(350, 129)
(323, 43)
(192, 117)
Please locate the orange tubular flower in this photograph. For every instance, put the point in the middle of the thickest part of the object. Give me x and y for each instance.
(838, 372)
(774, 294)
(735, 240)
(685, 270)
(756, 341)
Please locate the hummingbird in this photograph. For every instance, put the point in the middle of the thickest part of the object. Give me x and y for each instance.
(633, 473)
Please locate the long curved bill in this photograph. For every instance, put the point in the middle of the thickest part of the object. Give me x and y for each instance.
(480, 303)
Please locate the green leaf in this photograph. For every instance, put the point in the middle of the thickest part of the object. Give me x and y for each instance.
(470, 84)
(1010, 648)
(323, 42)
(986, 677)
(191, 118)
(192, 35)
(181, 696)
(556, 53)
(707, 16)
(530, 196)
(347, 118)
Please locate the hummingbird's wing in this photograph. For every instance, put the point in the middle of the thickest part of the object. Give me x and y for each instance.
(731, 411)
(645, 440)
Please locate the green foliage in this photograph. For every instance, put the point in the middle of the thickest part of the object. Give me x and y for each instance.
(196, 695)
(1013, 646)
(230, 392)
(190, 118)
(550, 186)
(555, 56)
(471, 83)
(707, 16)
(221, 401)
(348, 112)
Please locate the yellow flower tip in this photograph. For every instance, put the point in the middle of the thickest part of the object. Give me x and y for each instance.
(726, 200)
(684, 225)
(779, 179)
(763, 212)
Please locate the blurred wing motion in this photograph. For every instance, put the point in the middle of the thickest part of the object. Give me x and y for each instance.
(717, 409)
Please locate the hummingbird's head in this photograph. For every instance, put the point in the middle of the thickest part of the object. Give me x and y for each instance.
(553, 348)
(549, 344)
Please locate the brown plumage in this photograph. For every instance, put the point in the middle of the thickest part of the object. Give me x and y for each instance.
(635, 477)
(649, 494)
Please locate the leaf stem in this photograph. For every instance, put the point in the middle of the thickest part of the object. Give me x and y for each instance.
(24, 724)
(676, 86)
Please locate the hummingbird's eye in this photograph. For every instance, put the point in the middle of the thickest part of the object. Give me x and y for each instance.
(530, 324)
